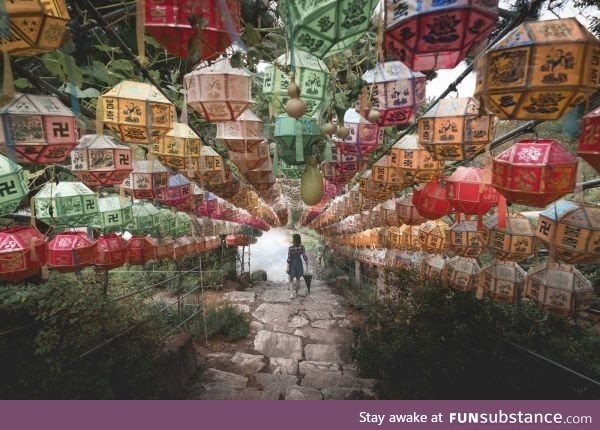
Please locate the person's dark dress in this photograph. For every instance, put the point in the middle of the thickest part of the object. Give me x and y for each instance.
(295, 255)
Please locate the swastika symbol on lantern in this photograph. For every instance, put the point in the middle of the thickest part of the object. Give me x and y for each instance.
(8, 188)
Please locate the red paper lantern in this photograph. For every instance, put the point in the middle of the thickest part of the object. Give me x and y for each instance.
(71, 251)
(242, 135)
(364, 137)
(178, 191)
(111, 251)
(534, 172)
(183, 246)
(469, 192)
(140, 250)
(589, 141)
(163, 248)
(196, 29)
(22, 253)
(431, 200)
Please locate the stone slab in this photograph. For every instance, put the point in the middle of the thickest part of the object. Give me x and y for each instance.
(297, 392)
(317, 366)
(241, 307)
(256, 326)
(273, 313)
(275, 383)
(341, 393)
(298, 321)
(335, 379)
(276, 296)
(273, 344)
(283, 366)
(327, 353)
(317, 315)
(330, 336)
(240, 296)
(323, 324)
(249, 363)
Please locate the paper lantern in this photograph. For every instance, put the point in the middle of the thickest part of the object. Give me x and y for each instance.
(409, 238)
(212, 167)
(256, 158)
(36, 129)
(510, 238)
(71, 251)
(178, 191)
(393, 90)
(183, 246)
(148, 180)
(66, 204)
(365, 136)
(432, 235)
(140, 250)
(242, 135)
(372, 190)
(13, 185)
(36, 26)
(145, 219)
(114, 214)
(431, 201)
(539, 70)
(179, 149)
(295, 138)
(454, 129)
(572, 231)
(559, 288)
(432, 267)
(415, 163)
(470, 192)
(163, 248)
(589, 140)
(218, 92)
(465, 238)
(195, 29)
(310, 73)
(138, 112)
(111, 252)
(407, 211)
(461, 273)
(183, 224)
(390, 214)
(328, 27)
(502, 280)
(22, 253)
(385, 172)
(167, 222)
(436, 34)
(534, 172)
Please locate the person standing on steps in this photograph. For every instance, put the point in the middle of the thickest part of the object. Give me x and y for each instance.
(295, 268)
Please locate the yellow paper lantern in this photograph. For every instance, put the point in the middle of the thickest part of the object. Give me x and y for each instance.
(502, 280)
(465, 238)
(461, 273)
(432, 235)
(385, 172)
(511, 239)
(432, 267)
(242, 135)
(179, 149)
(212, 170)
(415, 163)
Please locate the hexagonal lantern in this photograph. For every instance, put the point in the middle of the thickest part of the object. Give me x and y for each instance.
(390, 214)
(179, 149)
(469, 192)
(242, 135)
(111, 251)
(167, 222)
(114, 214)
(559, 288)
(212, 167)
(218, 92)
(416, 164)
(534, 172)
(71, 251)
(22, 252)
(394, 90)
(191, 28)
(502, 280)
(432, 267)
(100, 160)
(572, 231)
(36, 129)
(148, 180)
(461, 273)
(327, 27)
(311, 75)
(145, 218)
(436, 34)
(407, 211)
(409, 238)
(510, 238)
(430, 199)
(138, 112)
(295, 138)
(140, 250)
(183, 224)
(66, 204)
(372, 190)
(465, 238)
(365, 136)
(35, 26)
(255, 158)
(539, 70)
(178, 191)
(432, 235)
(589, 140)
(385, 172)
(454, 129)
(13, 185)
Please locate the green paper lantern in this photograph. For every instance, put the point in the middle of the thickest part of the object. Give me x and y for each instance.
(295, 138)
(66, 204)
(167, 222)
(114, 214)
(290, 171)
(13, 185)
(145, 218)
(183, 224)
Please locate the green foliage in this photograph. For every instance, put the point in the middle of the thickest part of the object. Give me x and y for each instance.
(222, 320)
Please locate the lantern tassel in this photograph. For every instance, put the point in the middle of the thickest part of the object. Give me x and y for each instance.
(139, 30)
(501, 212)
(99, 116)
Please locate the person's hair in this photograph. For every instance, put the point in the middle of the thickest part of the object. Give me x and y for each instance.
(296, 239)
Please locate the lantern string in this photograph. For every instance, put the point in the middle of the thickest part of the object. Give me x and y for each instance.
(140, 22)
(8, 87)
(578, 191)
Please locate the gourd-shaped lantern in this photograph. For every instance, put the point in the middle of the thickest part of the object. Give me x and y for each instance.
(436, 34)
(387, 173)
(22, 253)
(454, 129)
(539, 70)
(140, 250)
(183, 224)
(465, 238)
(461, 273)
(218, 92)
(469, 192)
(212, 167)
(100, 161)
(589, 140)
(195, 29)
(432, 235)
(111, 251)
(394, 91)
(534, 172)
(415, 163)
(432, 267)
(311, 75)
(70, 251)
(114, 214)
(242, 135)
(502, 280)
(36, 129)
(431, 199)
(66, 204)
(167, 222)
(327, 27)
(295, 137)
(138, 112)
(559, 288)
(145, 218)
(13, 185)
(35, 26)
(179, 149)
(178, 191)
(407, 211)
(364, 137)
(148, 180)
(372, 190)
(572, 231)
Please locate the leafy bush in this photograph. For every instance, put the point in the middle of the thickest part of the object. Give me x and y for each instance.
(225, 320)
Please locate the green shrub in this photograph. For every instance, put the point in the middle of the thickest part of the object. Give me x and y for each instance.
(225, 320)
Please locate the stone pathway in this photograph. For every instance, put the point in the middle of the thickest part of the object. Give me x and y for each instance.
(301, 350)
